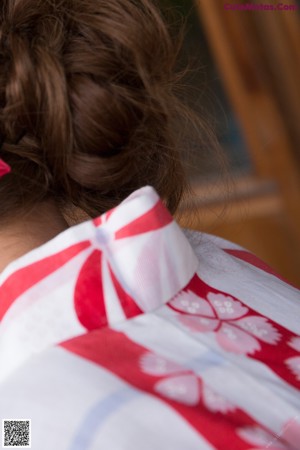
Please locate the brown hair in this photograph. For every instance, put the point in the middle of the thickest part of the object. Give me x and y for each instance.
(88, 112)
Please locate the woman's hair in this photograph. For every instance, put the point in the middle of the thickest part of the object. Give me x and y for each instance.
(88, 112)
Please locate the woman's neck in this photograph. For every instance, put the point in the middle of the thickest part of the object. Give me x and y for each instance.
(27, 232)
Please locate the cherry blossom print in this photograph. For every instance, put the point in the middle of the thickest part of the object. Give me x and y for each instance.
(293, 363)
(226, 317)
(226, 307)
(233, 339)
(182, 388)
(294, 366)
(295, 343)
(156, 365)
(215, 402)
(182, 385)
(261, 438)
(200, 324)
(261, 328)
(190, 303)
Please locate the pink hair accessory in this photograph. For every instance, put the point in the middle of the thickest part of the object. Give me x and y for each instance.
(4, 168)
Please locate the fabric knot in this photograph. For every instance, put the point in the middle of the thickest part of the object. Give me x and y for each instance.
(102, 238)
(135, 264)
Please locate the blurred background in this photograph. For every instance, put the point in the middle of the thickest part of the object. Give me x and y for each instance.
(245, 78)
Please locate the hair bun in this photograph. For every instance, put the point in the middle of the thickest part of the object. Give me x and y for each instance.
(86, 84)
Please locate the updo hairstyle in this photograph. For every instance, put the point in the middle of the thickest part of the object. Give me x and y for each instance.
(88, 112)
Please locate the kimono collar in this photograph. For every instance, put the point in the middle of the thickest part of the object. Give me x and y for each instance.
(131, 260)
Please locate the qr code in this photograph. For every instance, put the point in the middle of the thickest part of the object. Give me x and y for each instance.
(16, 433)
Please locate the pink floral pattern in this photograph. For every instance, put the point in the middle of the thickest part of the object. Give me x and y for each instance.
(262, 439)
(294, 366)
(182, 385)
(235, 331)
(293, 363)
(295, 343)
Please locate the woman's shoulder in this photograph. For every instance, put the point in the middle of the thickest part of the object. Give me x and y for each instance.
(234, 270)
(201, 241)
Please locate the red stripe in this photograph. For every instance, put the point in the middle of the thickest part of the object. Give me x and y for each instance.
(157, 217)
(109, 213)
(88, 296)
(23, 279)
(129, 306)
(115, 352)
(98, 221)
(256, 262)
